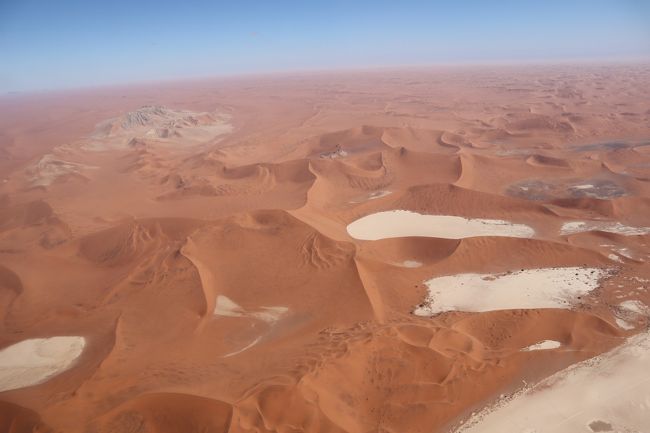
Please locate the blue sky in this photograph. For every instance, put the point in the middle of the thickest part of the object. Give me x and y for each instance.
(51, 44)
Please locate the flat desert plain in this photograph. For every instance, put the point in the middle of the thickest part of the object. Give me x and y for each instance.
(449, 249)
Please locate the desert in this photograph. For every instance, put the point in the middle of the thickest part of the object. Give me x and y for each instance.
(458, 248)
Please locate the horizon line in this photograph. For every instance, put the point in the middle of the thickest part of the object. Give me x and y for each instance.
(594, 61)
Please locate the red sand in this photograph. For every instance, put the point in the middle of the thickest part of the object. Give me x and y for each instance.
(127, 233)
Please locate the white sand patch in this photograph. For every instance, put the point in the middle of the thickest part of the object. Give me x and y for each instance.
(378, 194)
(248, 346)
(34, 361)
(410, 264)
(49, 168)
(627, 253)
(623, 324)
(615, 258)
(402, 223)
(337, 153)
(608, 393)
(270, 314)
(574, 227)
(543, 345)
(372, 196)
(636, 307)
(531, 288)
(228, 308)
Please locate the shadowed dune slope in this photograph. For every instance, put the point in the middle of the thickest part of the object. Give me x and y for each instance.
(168, 413)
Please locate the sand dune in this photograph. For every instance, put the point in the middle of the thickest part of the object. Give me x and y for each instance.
(14, 418)
(345, 252)
(169, 413)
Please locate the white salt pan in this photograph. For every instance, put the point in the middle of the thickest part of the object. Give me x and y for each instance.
(34, 361)
(401, 223)
(611, 390)
(531, 288)
(573, 227)
(543, 345)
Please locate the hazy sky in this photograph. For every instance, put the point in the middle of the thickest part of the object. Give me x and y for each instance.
(61, 43)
